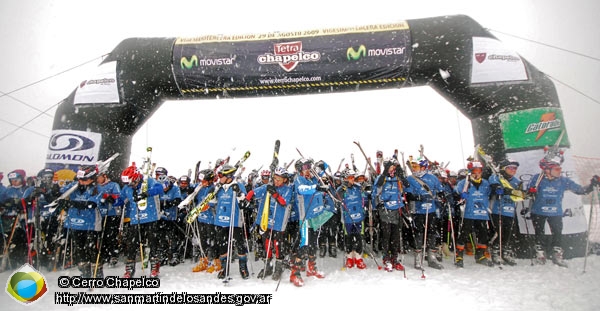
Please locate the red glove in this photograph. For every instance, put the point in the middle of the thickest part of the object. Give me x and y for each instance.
(532, 190)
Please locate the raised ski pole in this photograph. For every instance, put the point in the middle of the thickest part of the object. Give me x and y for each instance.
(373, 170)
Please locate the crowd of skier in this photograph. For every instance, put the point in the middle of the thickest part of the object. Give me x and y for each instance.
(287, 216)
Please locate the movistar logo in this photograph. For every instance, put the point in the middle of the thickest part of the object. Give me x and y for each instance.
(188, 64)
(353, 54)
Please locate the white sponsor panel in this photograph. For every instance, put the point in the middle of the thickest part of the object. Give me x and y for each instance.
(493, 62)
(74, 147)
(101, 88)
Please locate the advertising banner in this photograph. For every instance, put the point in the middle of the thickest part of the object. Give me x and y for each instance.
(336, 57)
(493, 62)
(101, 88)
(533, 128)
(73, 147)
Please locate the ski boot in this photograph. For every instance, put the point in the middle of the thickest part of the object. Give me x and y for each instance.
(540, 255)
(224, 271)
(460, 252)
(418, 259)
(295, 277)
(360, 263)
(350, 261)
(432, 260)
(557, 257)
(113, 262)
(312, 269)
(267, 270)
(322, 250)
(278, 270)
(332, 250)
(154, 267)
(201, 266)
(174, 260)
(397, 264)
(496, 258)
(214, 265)
(480, 257)
(129, 269)
(508, 257)
(98, 270)
(85, 269)
(243, 263)
(387, 264)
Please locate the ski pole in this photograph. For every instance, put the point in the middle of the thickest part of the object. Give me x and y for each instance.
(587, 240)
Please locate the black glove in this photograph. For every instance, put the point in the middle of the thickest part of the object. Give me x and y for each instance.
(141, 196)
(507, 191)
(405, 182)
(235, 187)
(323, 188)
(525, 211)
(595, 181)
(244, 204)
(271, 189)
(107, 198)
(62, 204)
(380, 205)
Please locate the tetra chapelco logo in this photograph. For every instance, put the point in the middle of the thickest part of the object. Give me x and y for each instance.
(26, 285)
(288, 55)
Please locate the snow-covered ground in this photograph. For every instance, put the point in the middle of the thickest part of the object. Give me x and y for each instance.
(475, 287)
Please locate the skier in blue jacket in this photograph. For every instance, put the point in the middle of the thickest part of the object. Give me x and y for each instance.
(423, 191)
(388, 197)
(10, 209)
(140, 199)
(204, 244)
(277, 220)
(83, 220)
(109, 192)
(309, 197)
(353, 212)
(474, 191)
(548, 194)
(503, 211)
(229, 221)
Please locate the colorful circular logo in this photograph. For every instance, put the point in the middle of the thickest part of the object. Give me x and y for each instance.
(26, 285)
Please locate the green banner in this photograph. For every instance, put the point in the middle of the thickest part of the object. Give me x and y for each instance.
(533, 128)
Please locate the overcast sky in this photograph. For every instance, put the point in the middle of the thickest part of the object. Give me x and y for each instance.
(44, 38)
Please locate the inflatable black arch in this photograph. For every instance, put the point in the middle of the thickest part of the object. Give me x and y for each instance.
(513, 107)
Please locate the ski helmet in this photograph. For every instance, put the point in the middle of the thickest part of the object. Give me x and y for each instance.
(185, 179)
(474, 165)
(508, 162)
(265, 174)
(348, 173)
(548, 163)
(131, 174)
(87, 172)
(207, 175)
(17, 174)
(304, 164)
(281, 171)
(46, 175)
(228, 170)
(161, 171)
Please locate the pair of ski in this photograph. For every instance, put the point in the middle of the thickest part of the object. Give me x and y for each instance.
(202, 206)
